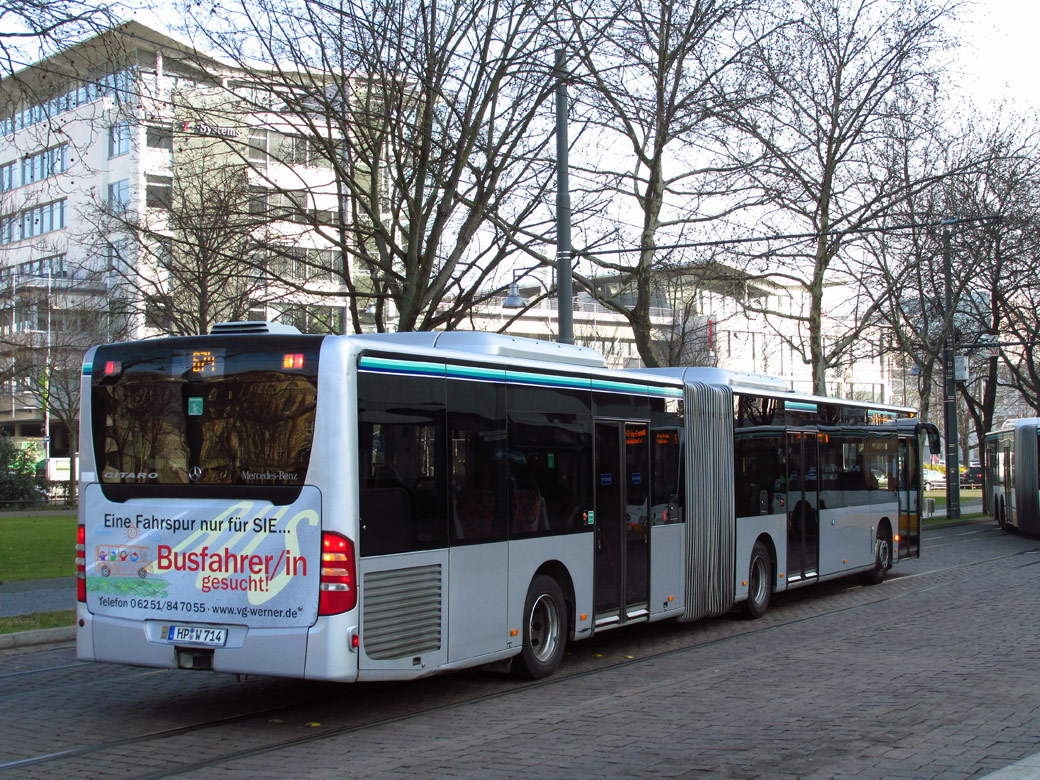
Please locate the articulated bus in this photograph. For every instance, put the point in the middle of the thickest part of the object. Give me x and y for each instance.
(387, 506)
(1013, 475)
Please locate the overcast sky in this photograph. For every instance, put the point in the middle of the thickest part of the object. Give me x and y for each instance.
(999, 56)
(1000, 53)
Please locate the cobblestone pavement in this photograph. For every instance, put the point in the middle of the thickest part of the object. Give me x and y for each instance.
(933, 674)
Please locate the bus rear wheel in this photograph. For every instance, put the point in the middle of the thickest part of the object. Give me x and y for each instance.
(545, 621)
(760, 581)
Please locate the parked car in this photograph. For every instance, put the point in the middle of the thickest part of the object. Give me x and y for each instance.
(972, 477)
(933, 480)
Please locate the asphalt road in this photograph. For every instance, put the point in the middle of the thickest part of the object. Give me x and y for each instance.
(26, 597)
(933, 674)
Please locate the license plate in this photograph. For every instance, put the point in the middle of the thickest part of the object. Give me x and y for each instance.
(195, 635)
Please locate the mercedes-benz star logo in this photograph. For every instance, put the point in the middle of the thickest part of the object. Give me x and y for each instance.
(195, 473)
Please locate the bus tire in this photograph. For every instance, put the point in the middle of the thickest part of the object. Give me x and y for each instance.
(545, 625)
(760, 581)
(882, 556)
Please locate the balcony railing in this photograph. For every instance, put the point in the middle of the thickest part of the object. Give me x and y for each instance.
(584, 305)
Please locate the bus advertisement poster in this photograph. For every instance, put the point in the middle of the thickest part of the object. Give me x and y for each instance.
(252, 563)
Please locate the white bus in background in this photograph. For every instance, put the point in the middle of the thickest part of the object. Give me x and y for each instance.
(387, 506)
(1012, 474)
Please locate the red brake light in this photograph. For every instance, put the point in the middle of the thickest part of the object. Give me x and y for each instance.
(113, 367)
(81, 563)
(292, 360)
(338, 575)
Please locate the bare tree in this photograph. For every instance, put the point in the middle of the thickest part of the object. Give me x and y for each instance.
(49, 323)
(652, 75)
(432, 122)
(843, 80)
(30, 29)
(195, 248)
(996, 261)
(1021, 357)
(989, 259)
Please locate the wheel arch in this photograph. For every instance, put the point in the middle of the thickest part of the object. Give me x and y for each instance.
(767, 539)
(886, 524)
(559, 572)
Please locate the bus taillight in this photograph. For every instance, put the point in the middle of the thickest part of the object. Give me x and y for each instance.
(338, 575)
(81, 563)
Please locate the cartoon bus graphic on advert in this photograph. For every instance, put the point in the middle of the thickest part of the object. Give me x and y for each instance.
(123, 560)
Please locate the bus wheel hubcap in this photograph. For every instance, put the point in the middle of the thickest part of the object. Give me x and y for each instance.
(544, 628)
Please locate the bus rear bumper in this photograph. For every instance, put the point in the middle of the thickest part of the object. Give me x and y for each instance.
(278, 652)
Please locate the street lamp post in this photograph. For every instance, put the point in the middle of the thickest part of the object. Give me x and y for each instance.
(47, 381)
(563, 209)
(953, 480)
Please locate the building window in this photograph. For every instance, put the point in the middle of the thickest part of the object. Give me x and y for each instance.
(258, 201)
(306, 152)
(258, 146)
(157, 317)
(116, 257)
(311, 318)
(287, 263)
(53, 266)
(159, 192)
(34, 221)
(41, 165)
(8, 180)
(310, 265)
(290, 205)
(325, 265)
(85, 88)
(119, 196)
(119, 139)
(7, 229)
(325, 319)
(160, 137)
(118, 316)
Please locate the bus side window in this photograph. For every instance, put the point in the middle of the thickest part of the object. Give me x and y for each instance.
(477, 431)
(401, 463)
(759, 464)
(549, 456)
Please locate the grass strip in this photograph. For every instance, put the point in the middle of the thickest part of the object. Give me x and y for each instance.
(942, 518)
(65, 617)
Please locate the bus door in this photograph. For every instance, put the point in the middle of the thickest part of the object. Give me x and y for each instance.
(622, 522)
(909, 499)
(803, 519)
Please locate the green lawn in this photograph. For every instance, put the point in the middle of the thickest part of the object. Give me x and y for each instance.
(940, 496)
(36, 546)
(940, 517)
(940, 506)
(9, 625)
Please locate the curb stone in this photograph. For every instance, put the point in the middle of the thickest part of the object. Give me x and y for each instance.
(41, 636)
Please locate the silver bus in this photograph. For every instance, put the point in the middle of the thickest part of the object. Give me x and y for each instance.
(1012, 475)
(387, 506)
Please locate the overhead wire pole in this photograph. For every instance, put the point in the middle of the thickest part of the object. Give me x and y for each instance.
(952, 454)
(565, 295)
(953, 472)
